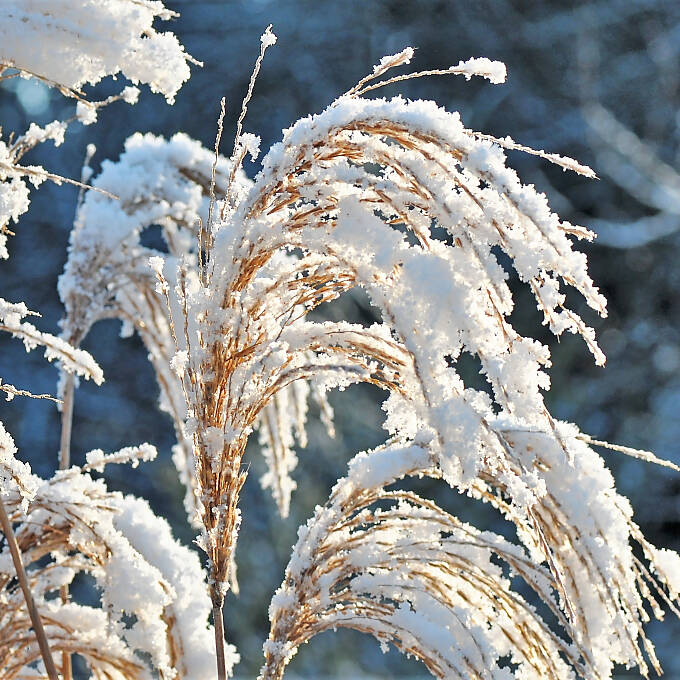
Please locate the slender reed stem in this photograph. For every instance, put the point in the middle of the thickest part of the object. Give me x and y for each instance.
(66, 422)
(28, 596)
(219, 638)
(66, 664)
(64, 463)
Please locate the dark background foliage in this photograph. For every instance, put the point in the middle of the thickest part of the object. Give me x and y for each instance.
(598, 81)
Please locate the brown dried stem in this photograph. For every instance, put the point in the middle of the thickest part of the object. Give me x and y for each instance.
(28, 596)
(64, 463)
(218, 602)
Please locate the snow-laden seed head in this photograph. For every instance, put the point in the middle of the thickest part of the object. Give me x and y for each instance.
(388, 562)
(154, 609)
(399, 199)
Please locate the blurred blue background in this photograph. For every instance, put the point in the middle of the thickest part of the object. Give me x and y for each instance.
(598, 81)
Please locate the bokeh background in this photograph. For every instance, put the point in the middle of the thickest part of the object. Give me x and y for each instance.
(598, 81)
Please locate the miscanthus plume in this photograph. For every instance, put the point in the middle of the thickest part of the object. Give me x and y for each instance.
(396, 198)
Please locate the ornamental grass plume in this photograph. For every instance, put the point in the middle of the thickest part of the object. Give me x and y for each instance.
(152, 602)
(392, 197)
(56, 529)
(399, 199)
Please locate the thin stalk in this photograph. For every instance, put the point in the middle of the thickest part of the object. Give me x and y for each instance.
(66, 664)
(28, 596)
(66, 422)
(64, 463)
(219, 638)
